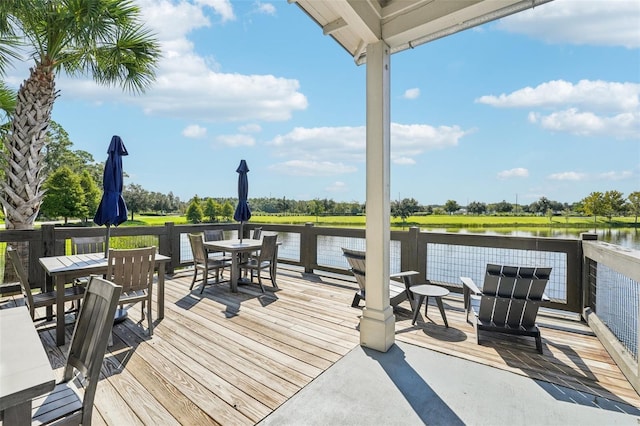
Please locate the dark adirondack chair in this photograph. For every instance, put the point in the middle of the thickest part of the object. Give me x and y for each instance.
(398, 291)
(508, 301)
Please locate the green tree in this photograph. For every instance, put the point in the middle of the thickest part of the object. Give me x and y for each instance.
(136, 198)
(7, 106)
(227, 211)
(404, 208)
(194, 212)
(549, 214)
(212, 209)
(503, 207)
(476, 207)
(316, 208)
(92, 194)
(593, 205)
(614, 204)
(101, 38)
(451, 206)
(634, 204)
(65, 196)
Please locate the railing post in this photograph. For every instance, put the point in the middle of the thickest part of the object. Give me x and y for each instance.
(409, 250)
(308, 248)
(585, 283)
(167, 245)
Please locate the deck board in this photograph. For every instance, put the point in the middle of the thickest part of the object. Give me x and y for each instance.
(224, 358)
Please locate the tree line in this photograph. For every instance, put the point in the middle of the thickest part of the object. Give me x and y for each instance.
(73, 185)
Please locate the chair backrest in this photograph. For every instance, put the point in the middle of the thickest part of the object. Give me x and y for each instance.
(84, 245)
(90, 337)
(213, 235)
(511, 295)
(357, 263)
(268, 249)
(197, 248)
(257, 233)
(22, 276)
(132, 269)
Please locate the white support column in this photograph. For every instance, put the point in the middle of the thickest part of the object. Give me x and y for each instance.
(377, 325)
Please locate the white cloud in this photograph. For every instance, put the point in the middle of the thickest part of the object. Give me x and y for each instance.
(265, 8)
(518, 172)
(236, 140)
(588, 108)
(599, 23)
(404, 161)
(571, 176)
(250, 128)
(311, 168)
(325, 144)
(412, 93)
(221, 7)
(621, 126)
(191, 86)
(194, 131)
(337, 187)
(616, 175)
(594, 95)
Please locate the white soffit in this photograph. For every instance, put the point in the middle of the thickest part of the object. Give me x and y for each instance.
(403, 24)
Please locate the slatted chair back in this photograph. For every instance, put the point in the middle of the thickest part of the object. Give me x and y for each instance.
(196, 241)
(257, 233)
(84, 245)
(512, 295)
(398, 292)
(268, 249)
(24, 280)
(266, 259)
(213, 235)
(356, 260)
(86, 353)
(132, 269)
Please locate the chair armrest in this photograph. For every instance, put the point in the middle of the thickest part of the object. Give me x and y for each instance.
(468, 282)
(404, 274)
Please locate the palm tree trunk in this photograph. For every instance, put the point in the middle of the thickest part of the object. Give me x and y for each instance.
(21, 193)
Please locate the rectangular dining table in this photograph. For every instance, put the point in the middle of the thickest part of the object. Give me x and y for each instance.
(236, 248)
(64, 269)
(25, 372)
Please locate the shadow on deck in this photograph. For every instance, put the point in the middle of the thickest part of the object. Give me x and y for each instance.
(225, 358)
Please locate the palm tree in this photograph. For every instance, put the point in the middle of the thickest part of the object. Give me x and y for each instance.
(100, 38)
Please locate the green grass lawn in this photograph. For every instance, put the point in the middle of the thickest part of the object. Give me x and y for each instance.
(431, 221)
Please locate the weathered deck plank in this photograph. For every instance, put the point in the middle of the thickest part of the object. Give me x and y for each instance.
(224, 358)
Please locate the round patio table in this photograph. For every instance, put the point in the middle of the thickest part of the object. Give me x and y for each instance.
(425, 291)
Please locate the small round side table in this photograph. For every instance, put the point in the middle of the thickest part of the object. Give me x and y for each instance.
(425, 291)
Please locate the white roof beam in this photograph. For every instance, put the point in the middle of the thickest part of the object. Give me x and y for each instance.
(334, 26)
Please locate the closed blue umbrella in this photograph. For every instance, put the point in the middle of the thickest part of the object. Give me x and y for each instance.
(243, 213)
(112, 209)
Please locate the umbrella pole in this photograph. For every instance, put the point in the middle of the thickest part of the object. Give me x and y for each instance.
(241, 232)
(106, 242)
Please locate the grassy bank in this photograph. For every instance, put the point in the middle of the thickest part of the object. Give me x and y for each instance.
(431, 221)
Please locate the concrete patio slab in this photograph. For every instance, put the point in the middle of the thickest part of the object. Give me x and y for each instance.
(409, 385)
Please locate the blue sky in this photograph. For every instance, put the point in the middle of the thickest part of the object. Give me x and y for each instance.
(543, 103)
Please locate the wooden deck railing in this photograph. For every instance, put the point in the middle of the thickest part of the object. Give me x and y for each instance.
(580, 282)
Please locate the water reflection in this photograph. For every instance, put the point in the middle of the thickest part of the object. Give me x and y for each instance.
(625, 237)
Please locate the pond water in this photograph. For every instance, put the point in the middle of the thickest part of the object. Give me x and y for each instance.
(625, 237)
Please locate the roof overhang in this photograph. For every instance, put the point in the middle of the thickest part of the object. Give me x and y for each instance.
(403, 24)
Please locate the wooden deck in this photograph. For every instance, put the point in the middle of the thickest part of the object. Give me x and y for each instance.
(223, 358)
